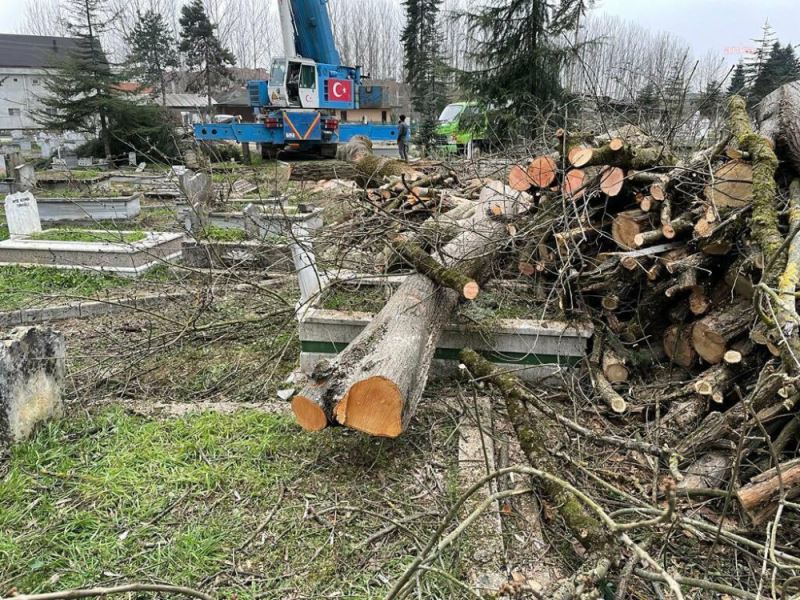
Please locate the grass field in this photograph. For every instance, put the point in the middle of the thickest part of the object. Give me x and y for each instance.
(240, 505)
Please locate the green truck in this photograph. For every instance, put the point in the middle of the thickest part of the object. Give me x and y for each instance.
(462, 125)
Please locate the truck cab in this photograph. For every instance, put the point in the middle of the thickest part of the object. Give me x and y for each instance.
(293, 83)
(462, 125)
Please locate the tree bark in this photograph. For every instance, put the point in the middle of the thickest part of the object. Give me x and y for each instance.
(760, 497)
(374, 385)
(778, 117)
(319, 170)
(712, 334)
(358, 152)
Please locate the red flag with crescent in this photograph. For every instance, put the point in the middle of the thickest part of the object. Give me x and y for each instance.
(340, 90)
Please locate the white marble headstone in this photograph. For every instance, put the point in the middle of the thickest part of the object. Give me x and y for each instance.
(84, 162)
(132, 159)
(22, 214)
(141, 168)
(58, 164)
(3, 171)
(179, 170)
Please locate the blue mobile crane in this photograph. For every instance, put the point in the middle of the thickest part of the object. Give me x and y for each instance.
(295, 108)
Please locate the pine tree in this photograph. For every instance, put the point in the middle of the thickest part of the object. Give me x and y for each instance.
(152, 51)
(738, 80)
(711, 99)
(781, 67)
(424, 65)
(759, 59)
(204, 52)
(519, 64)
(81, 92)
(648, 100)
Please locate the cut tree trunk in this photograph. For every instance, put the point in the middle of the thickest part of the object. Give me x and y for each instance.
(319, 170)
(778, 117)
(542, 171)
(627, 157)
(375, 384)
(372, 168)
(614, 367)
(627, 225)
(760, 497)
(424, 263)
(712, 334)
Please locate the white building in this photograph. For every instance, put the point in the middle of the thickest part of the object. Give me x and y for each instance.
(24, 62)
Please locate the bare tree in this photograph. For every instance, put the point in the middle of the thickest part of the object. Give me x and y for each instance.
(43, 17)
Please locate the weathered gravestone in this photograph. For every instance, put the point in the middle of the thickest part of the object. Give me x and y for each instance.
(22, 214)
(3, 171)
(84, 162)
(25, 177)
(31, 380)
(242, 187)
(58, 164)
(132, 159)
(197, 187)
(141, 168)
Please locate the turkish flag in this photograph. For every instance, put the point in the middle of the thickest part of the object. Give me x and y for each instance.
(340, 90)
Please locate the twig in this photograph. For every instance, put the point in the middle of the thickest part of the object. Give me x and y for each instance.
(107, 591)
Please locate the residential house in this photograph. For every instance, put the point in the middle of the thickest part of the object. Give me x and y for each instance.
(24, 63)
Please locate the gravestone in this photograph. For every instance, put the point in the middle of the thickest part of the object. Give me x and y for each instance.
(25, 177)
(198, 188)
(25, 145)
(132, 159)
(84, 162)
(45, 149)
(58, 164)
(3, 172)
(180, 170)
(31, 379)
(22, 214)
(141, 168)
(242, 187)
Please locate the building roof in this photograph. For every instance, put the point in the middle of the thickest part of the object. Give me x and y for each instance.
(34, 51)
(235, 97)
(187, 101)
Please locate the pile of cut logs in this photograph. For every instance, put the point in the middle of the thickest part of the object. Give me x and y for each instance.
(687, 265)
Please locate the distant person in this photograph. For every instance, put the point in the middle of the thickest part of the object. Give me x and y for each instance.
(402, 138)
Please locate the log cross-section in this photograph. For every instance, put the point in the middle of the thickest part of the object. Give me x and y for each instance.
(375, 384)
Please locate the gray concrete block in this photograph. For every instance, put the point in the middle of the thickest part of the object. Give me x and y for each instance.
(31, 379)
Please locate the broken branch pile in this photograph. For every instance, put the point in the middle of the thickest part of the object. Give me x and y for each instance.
(687, 265)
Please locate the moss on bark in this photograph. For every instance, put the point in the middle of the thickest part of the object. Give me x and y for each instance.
(534, 442)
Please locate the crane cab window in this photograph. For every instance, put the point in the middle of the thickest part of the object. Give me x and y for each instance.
(278, 75)
(308, 77)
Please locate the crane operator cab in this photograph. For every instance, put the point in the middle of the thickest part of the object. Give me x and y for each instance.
(293, 83)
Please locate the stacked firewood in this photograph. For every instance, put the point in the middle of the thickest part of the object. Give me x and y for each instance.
(689, 268)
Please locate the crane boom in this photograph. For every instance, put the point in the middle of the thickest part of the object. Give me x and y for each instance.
(307, 31)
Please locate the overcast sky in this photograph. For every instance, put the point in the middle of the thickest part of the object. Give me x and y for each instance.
(725, 26)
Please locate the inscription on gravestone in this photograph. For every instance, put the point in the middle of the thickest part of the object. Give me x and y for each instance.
(22, 214)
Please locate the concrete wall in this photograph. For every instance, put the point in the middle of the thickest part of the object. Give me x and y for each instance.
(19, 94)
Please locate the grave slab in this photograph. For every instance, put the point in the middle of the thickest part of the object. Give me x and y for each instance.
(129, 259)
